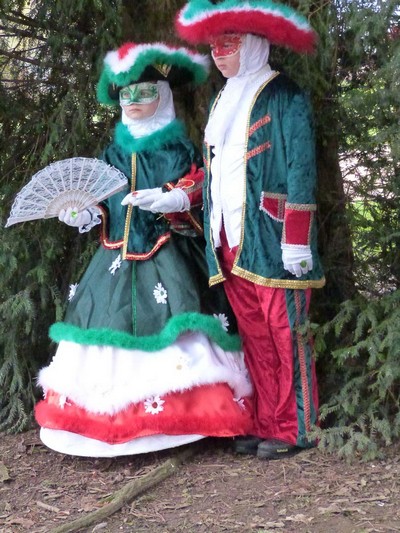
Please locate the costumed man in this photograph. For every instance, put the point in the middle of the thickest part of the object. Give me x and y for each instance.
(259, 195)
(148, 356)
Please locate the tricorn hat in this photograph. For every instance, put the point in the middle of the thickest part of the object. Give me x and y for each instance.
(199, 21)
(136, 63)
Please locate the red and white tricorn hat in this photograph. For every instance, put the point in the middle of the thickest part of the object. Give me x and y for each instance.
(200, 21)
(136, 63)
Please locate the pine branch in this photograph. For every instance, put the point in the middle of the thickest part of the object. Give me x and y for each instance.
(18, 57)
(13, 31)
(19, 18)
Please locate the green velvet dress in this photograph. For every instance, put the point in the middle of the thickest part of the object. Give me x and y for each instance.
(148, 354)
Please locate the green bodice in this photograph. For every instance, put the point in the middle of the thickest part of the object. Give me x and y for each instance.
(163, 157)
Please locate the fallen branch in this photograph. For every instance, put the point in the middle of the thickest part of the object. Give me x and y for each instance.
(127, 493)
(48, 507)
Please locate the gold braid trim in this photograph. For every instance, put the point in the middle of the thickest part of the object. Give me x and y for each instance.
(142, 257)
(218, 278)
(274, 195)
(111, 245)
(258, 150)
(123, 243)
(301, 207)
(305, 391)
(198, 227)
(264, 120)
(103, 236)
(278, 283)
(240, 247)
(129, 210)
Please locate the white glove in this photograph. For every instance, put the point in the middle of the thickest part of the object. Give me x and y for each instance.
(73, 218)
(174, 201)
(156, 201)
(297, 259)
(143, 198)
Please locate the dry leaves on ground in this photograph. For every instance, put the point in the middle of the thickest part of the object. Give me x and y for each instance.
(213, 491)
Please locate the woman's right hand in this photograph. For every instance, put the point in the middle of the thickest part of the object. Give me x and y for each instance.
(72, 217)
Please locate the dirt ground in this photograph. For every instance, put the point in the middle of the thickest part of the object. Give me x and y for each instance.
(213, 491)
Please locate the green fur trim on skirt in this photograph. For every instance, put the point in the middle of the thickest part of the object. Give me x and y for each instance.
(177, 325)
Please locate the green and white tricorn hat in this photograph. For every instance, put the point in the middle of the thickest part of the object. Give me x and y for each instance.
(137, 63)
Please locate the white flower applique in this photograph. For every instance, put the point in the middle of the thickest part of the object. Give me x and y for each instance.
(115, 264)
(72, 290)
(240, 403)
(160, 294)
(223, 319)
(154, 405)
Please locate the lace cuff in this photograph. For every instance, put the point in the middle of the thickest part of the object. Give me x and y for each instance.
(95, 219)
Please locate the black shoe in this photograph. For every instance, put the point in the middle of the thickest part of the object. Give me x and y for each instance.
(276, 449)
(247, 444)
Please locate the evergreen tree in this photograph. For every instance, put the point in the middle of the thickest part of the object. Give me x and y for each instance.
(360, 344)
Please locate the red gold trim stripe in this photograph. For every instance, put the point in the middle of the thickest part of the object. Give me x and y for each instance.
(303, 367)
(261, 122)
(258, 150)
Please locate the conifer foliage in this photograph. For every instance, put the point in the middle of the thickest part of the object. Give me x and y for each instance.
(363, 416)
(359, 352)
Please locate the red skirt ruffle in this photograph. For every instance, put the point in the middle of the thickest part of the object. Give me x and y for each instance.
(208, 410)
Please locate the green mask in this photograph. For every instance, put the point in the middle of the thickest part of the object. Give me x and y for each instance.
(138, 93)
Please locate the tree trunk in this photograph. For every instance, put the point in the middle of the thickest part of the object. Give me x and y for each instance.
(334, 233)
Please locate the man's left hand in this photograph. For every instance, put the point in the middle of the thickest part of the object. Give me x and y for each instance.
(297, 259)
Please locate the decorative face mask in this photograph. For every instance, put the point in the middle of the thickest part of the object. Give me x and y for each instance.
(226, 45)
(138, 93)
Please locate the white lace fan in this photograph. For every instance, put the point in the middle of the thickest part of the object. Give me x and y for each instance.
(79, 182)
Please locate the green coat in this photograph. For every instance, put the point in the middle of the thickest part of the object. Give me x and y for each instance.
(279, 169)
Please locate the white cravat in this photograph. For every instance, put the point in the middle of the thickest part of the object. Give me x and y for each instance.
(228, 169)
(226, 133)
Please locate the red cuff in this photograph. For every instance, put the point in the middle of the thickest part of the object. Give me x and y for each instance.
(297, 224)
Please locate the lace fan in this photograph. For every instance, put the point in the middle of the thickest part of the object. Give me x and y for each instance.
(79, 182)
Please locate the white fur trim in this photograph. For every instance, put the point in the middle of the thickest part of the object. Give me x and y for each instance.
(118, 65)
(103, 379)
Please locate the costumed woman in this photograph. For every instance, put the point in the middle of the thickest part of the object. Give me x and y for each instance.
(259, 212)
(148, 357)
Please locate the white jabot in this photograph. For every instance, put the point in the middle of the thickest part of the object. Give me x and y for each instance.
(164, 114)
(226, 133)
